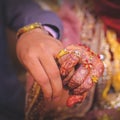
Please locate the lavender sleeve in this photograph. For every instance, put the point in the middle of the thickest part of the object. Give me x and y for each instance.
(23, 12)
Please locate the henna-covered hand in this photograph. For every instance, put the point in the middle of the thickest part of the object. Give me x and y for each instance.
(80, 69)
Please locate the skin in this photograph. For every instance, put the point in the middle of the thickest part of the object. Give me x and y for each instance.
(36, 50)
(40, 61)
(89, 67)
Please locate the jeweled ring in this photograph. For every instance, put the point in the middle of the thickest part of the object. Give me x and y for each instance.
(77, 53)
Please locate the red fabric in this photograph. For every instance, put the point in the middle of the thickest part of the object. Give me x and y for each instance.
(109, 11)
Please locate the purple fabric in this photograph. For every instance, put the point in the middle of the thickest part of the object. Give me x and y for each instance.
(23, 12)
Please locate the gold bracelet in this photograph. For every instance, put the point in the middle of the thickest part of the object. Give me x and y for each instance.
(29, 28)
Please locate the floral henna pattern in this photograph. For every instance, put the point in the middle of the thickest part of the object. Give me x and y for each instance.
(80, 69)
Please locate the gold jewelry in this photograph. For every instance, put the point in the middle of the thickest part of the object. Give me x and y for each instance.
(62, 53)
(94, 78)
(28, 28)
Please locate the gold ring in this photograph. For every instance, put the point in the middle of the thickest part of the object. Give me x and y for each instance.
(62, 53)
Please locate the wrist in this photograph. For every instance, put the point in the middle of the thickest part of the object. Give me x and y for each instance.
(30, 28)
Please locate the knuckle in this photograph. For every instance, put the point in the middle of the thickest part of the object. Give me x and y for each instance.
(48, 94)
(54, 75)
(27, 55)
(43, 81)
(57, 93)
(30, 54)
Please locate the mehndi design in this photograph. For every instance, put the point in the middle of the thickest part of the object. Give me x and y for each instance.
(80, 68)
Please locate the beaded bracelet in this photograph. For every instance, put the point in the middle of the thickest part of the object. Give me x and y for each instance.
(28, 28)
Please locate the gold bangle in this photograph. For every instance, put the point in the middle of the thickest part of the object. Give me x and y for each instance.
(29, 28)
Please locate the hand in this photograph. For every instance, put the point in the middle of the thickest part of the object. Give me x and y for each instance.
(36, 51)
(80, 68)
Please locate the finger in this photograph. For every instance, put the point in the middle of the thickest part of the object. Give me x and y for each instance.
(79, 77)
(96, 70)
(29, 81)
(97, 67)
(84, 87)
(49, 64)
(73, 55)
(68, 77)
(74, 99)
(67, 63)
(93, 61)
(34, 67)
